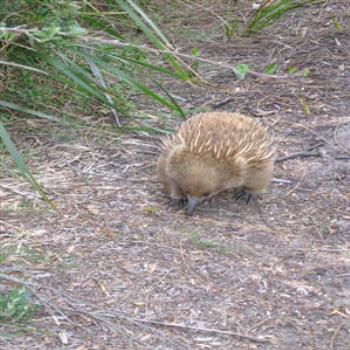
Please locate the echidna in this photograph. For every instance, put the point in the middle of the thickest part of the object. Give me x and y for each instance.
(215, 151)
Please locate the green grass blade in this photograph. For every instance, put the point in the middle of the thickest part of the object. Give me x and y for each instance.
(83, 80)
(267, 15)
(271, 68)
(152, 33)
(18, 108)
(146, 128)
(147, 91)
(152, 67)
(124, 76)
(124, 4)
(21, 166)
(171, 98)
(151, 24)
(22, 66)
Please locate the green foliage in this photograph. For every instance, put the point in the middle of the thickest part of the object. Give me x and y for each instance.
(241, 70)
(305, 72)
(339, 27)
(23, 169)
(305, 105)
(15, 306)
(231, 29)
(151, 210)
(56, 54)
(58, 37)
(195, 53)
(25, 254)
(231, 22)
(292, 70)
(197, 240)
(271, 68)
(325, 231)
(267, 15)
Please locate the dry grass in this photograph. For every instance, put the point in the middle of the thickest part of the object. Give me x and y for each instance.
(116, 267)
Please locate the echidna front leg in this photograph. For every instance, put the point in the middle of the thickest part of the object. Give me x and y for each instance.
(179, 203)
(247, 196)
(173, 191)
(256, 182)
(177, 197)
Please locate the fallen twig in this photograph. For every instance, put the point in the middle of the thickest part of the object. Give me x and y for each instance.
(98, 317)
(335, 334)
(222, 103)
(342, 158)
(298, 155)
(176, 53)
(302, 154)
(259, 339)
(282, 181)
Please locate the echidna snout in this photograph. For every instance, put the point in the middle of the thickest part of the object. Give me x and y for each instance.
(192, 204)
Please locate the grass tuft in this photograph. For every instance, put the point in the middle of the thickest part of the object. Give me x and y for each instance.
(15, 306)
(59, 56)
(271, 11)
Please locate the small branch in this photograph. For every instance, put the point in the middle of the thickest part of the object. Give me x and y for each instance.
(220, 104)
(260, 323)
(302, 154)
(102, 317)
(335, 334)
(15, 280)
(282, 181)
(260, 339)
(343, 275)
(342, 158)
(121, 44)
(298, 155)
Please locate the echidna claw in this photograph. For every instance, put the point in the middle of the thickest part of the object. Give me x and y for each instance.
(247, 197)
(178, 202)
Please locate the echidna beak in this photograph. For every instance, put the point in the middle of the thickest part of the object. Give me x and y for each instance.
(192, 205)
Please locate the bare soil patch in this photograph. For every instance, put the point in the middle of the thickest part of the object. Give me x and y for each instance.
(120, 268)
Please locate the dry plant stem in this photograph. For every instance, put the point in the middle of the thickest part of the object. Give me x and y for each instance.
(73, 305)
(298, 155)
(282, 181)
(102, 318)
(302, 154)
(343, 275)
(192, 3)
(335, 137)
(335, 334)
(103, 84)
(222, 103)
(299, 181)
(188, 267)
(261, 339)
(262, 217)
(342, 158)
(260, 324)
(317, 135)
(118, 43)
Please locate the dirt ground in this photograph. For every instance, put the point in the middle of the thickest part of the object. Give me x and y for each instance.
(117, 267)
